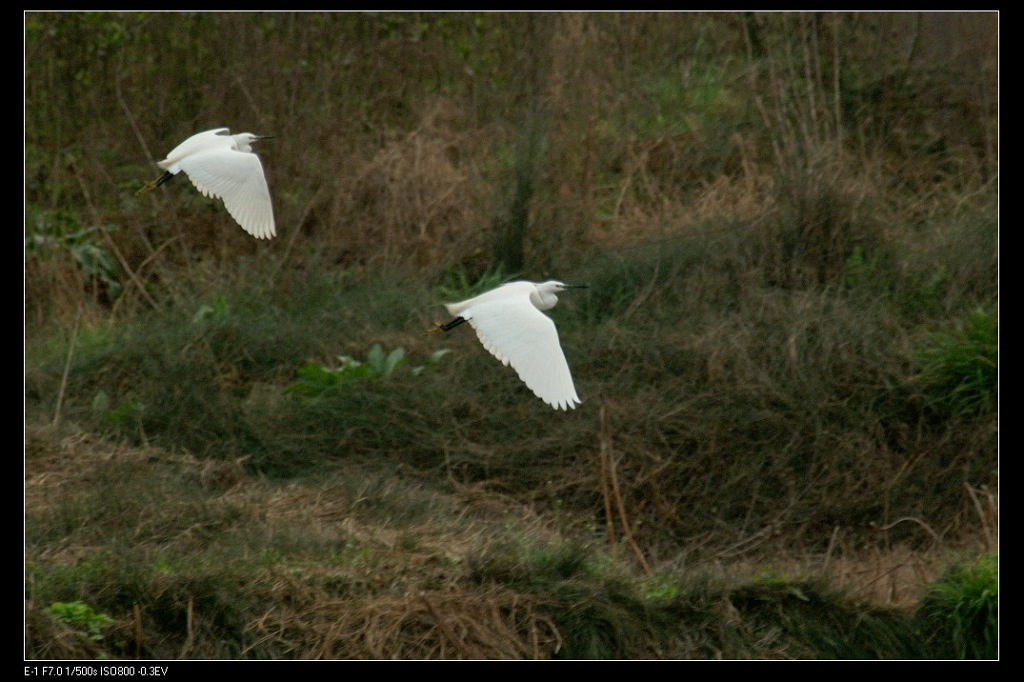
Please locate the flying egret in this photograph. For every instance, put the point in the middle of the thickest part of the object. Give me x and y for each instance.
(223, 166)
(509, 322)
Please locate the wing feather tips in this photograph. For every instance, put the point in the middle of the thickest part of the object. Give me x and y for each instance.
(566, 405)
(554, 385)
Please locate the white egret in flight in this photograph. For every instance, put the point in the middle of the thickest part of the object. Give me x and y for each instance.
(224, 166)
(509, 322)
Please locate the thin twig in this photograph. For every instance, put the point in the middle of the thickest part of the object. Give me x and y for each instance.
(137, 611)
(132, 122)
(605, 492)
(935, 536)
(145, 150)
(106, 235)
(67, 368)
(189, 629)
(981, 516)
(445, 630)
(626, 530)
(295, 233)
(831, 546)
(760, 535)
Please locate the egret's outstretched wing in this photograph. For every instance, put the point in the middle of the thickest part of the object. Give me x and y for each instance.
(208, 139)
(237, 179)
(518, 334)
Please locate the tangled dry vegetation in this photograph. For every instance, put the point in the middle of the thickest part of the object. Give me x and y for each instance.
(322, 570)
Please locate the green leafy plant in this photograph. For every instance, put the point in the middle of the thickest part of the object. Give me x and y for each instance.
(864, 270)
(57, 232)
(317, 381)
(661, 588)
(962, 607)
(218, 309)
(124, 415)
(81, 616)
(960, 368)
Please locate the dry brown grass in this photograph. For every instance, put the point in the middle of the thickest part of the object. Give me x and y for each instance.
(488, 624)
(409, 601)
(413, 201)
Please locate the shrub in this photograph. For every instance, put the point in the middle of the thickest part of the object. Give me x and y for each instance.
(962, 609)
(82, 617)
(960, 368)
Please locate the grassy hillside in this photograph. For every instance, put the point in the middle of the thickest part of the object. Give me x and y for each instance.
(787, 353)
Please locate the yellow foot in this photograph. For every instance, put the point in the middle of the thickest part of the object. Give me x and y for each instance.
(148, 187)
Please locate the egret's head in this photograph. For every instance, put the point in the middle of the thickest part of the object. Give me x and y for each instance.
(546, 292)
(243, 141)
(554, 286)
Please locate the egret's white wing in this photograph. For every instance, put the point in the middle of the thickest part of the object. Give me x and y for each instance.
(236, 178)
(518, 334)
(504, 292)
(208, 139)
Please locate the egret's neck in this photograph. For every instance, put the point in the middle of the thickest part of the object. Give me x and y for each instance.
(543, 300)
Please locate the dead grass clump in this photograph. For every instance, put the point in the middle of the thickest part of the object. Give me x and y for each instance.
(54, 287)
(804, 620)
(410, 204)
(103, 491)
(821, 219)
(950, 265)
(488, 624)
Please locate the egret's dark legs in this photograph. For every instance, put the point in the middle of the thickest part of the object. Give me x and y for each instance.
(150, 186)
(448, 326)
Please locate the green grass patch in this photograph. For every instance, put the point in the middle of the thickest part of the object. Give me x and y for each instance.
(959, 367)
(961, 610)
